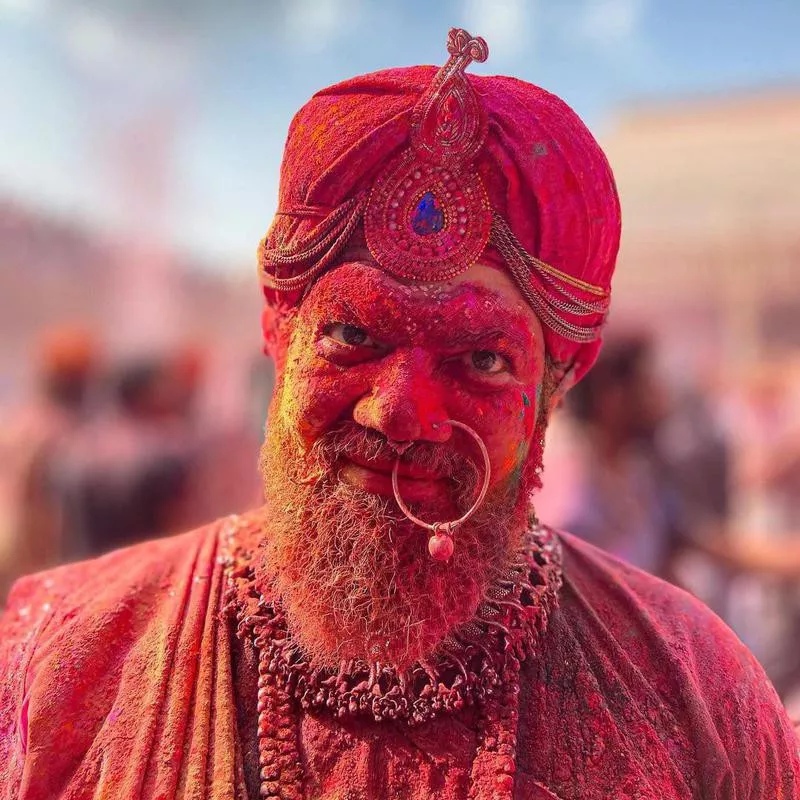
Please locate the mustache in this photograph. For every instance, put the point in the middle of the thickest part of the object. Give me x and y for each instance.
(351, 440)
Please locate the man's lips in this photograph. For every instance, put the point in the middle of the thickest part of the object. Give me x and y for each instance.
(406, 470)
(415, 483)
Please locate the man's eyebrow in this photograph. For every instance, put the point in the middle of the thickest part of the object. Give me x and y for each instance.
(349, 309)
(477, 336)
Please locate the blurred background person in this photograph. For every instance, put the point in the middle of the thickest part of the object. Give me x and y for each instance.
(125, 475)
(649, 474)
(621, 496)
(33, 439)
(763, 413)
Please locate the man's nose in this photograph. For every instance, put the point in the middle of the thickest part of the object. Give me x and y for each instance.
(406, 403)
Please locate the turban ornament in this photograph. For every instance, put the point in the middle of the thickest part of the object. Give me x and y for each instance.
(428, 216)
(427, 213)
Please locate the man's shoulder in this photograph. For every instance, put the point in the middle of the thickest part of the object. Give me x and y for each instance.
(625, 597)
(667, 635)
(124, 573)
(653, 640)
(122, 636)
(128, 565)
(664, 679)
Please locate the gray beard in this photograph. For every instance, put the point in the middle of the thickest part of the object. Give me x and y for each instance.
(354, 575)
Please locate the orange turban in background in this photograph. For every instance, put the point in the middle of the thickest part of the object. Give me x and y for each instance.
(68, 351)
(544, 175)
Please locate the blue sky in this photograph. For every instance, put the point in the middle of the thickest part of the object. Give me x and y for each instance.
(169, 116)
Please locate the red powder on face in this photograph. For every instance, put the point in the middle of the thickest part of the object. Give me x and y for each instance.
(414, 371)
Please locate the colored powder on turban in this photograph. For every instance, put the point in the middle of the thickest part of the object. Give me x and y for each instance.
(542, 169)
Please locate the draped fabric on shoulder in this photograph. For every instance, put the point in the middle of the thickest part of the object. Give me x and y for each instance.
(117, 680)
(654, 696)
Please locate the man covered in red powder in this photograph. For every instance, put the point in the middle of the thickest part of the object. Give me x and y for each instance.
(394, 623)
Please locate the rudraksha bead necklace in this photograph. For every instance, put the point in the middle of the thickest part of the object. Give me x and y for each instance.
(477, 664)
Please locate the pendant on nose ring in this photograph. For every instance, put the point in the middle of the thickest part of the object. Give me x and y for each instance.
(440, 543)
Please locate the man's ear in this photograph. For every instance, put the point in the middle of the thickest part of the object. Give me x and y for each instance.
(560, 390)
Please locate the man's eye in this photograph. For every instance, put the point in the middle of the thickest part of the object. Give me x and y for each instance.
(487, 362)
(350, 334)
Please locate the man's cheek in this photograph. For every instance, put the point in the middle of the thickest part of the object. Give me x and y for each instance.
(316, 399)
(505, 423)
(508, 454)
(311, 404)
(531, 408)
(517, 434)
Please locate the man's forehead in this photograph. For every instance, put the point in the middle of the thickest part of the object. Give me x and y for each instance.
(480, 296)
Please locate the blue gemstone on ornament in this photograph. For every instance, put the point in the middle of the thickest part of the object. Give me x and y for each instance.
(428, 216)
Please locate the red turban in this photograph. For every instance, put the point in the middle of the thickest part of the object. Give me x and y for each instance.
(543, 172)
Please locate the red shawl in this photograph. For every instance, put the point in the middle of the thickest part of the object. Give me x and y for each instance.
(117, 683)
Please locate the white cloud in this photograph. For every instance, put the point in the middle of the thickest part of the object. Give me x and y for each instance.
(92, 39)
(104, 46)
(610, 23)
(505, 24)
(21, 9)
(312, 25)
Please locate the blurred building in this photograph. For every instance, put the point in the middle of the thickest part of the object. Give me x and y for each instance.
(188, 445)
(710, 189)
(54, 271)
(710, 254)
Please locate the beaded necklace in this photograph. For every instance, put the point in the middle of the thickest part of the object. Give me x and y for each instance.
(477, 664)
